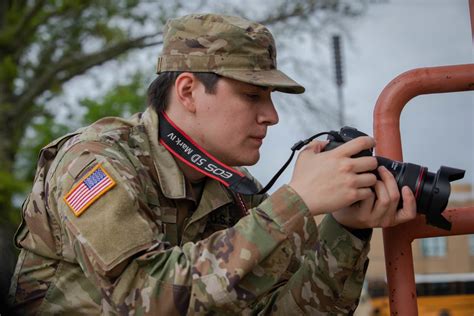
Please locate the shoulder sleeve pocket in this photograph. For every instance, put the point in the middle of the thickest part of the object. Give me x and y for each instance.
(114, 227)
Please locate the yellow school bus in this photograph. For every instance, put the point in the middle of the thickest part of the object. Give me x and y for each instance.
(437, 295)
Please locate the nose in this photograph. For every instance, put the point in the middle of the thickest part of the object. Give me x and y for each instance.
(267, 114)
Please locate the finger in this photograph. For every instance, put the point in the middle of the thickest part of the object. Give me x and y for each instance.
(390, 183)
(355, 146)
(364, 164)
(364, 193)
(389, 204)
(367, 205)
(314, 146)
(317, 145)
(364, 180)
(408, 212)
(382, 204)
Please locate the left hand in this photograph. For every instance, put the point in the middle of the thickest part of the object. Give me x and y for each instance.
(379, 210)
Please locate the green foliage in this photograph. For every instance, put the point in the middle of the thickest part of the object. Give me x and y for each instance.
(46, 43)
(41, 132)
(10, 184)
(122, 100)
(43, 45)
(8, 68)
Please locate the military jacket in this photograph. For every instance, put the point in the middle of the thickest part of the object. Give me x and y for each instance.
(143, 244)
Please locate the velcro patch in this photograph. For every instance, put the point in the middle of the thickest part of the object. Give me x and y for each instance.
(91, 187)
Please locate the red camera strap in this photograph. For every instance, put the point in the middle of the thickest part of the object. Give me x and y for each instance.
(185, 149)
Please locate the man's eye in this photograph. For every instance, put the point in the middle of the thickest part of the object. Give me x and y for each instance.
(252, 97)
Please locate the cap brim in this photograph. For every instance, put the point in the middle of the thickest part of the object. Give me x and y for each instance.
(267, 78)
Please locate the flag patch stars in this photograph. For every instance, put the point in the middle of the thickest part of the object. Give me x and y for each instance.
(89, 189)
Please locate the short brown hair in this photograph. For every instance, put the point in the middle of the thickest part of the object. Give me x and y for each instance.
(159, 89)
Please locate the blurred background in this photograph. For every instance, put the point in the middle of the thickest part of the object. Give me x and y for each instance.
(65, 64)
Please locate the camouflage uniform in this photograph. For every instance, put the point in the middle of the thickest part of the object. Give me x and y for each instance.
(147, 245)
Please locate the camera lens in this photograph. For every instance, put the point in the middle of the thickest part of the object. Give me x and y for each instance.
(431, 190)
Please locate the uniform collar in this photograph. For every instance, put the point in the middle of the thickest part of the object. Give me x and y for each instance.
(171, 178)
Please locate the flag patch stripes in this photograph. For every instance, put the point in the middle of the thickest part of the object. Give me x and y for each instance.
(91, 187)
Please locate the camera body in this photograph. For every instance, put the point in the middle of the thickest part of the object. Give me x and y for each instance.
(431, 190)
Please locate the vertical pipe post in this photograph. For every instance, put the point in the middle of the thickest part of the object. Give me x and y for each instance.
(397, 240)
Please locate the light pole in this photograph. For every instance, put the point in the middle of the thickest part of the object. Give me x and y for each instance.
(338, 76)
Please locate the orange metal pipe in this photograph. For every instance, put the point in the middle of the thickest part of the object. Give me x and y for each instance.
(406, 86)
(397, 240)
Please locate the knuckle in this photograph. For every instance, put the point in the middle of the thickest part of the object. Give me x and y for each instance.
(351, 182)
(373, 163)
(346, 166)
(372, 179)
(395, 196)
(369, 194)
(368, 141)
(384, 203)
(352, 195)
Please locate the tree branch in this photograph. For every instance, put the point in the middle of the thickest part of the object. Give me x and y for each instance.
(28, 17)
(70, 66)
(28, 26)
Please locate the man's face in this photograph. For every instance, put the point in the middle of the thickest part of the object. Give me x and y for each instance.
(232, 122)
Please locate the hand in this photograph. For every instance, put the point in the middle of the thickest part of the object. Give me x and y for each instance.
(380, 209)
(332, 180)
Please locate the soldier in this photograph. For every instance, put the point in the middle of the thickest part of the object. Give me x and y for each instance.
(146, 216)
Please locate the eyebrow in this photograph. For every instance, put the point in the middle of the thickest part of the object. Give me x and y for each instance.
(262, 88)
(255, 87)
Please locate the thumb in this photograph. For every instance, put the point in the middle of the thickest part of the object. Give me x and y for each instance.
(318, 145)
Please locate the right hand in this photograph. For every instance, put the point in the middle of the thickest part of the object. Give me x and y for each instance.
(328, 181)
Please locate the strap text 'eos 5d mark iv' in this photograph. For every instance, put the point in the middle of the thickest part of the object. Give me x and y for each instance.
(185, 149)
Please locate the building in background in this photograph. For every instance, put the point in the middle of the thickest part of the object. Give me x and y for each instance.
(444, 270)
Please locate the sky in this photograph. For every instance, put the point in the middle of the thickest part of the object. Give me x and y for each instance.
(394, 37)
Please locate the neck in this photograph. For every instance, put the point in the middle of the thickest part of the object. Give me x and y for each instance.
(191, 174)
(181, 146)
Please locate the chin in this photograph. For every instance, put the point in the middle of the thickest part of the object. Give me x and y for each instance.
(249, 160)
(244, 158)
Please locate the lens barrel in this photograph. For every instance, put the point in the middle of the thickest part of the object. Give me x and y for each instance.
(406, 174)
(431, 190)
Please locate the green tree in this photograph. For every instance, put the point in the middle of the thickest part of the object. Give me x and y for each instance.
(44, 44)
(121, 100)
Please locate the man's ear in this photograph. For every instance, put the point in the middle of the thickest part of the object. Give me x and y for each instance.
(185, 86)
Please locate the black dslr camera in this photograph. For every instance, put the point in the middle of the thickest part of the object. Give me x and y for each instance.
(431, 190)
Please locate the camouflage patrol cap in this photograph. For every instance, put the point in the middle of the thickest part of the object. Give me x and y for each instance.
(226, 45)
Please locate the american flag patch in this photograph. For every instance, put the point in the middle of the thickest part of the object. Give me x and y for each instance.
(91, 187)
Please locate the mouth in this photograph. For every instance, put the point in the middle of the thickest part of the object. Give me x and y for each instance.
(258, 138)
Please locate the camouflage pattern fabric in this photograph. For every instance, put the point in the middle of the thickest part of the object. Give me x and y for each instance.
(148, 247)
(226, 45)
